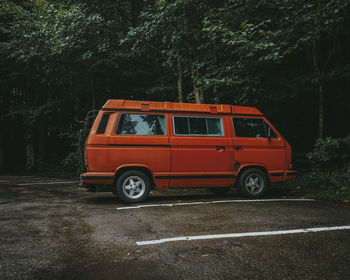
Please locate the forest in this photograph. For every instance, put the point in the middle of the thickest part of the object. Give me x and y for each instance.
(61, 59)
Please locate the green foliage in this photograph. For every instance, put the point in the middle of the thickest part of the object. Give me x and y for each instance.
(330, 153)
(169, 31)
(256, 38)
(330, 172)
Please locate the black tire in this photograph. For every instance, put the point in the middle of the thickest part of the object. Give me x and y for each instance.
(220, 190)
(127, 187)
(253, 183)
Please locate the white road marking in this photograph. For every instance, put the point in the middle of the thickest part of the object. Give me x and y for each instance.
(211, 202)
(15, 176)
(243, 234)
(48, 183)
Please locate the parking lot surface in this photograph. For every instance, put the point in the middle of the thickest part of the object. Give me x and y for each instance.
(51, 229)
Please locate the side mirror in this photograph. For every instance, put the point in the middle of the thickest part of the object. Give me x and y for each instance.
(269, 133)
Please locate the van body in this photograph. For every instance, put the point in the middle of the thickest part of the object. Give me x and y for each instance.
(137, 145)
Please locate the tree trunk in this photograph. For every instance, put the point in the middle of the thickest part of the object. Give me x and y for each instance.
(198, 95)
(320, 91)
(319, 77)
(29, 126)
(201, 97)
(42, 134)
(1, 148)
(216, 95)
(179, 78)
(29, 140)
(321, 111)
(93, 100)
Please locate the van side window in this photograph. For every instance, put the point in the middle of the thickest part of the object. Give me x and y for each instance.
(252, 127)
(103, 124)
(198, 126)
(141, 124)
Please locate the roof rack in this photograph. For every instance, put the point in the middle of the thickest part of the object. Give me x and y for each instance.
(156, 106)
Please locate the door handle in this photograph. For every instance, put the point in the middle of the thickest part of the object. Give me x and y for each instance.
(238, 147)
(220, 148)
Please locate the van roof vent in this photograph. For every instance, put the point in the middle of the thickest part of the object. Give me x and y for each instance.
(213, 109)
(144, 107)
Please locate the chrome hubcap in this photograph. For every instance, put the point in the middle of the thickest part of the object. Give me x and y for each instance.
(134, 187)
(254, 183)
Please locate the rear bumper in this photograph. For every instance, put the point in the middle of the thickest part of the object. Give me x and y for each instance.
(290, 174)
(103, 178)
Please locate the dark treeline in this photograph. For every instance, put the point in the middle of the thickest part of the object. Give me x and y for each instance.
(63, 58)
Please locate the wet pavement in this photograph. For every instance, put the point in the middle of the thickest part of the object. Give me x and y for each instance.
(51, 229)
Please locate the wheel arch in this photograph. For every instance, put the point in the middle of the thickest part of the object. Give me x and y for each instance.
(252, 166)
(142, 168)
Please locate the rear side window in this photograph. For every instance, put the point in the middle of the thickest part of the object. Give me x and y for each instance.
(103, 124)
(198, 126)
(141, 124)
(252, 127)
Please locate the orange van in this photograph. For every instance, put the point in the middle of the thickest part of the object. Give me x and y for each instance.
(136, 146)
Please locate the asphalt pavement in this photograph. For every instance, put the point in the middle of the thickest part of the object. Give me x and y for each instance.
(51, 229)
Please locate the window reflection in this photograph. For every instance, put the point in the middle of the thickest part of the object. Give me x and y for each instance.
(138, 124)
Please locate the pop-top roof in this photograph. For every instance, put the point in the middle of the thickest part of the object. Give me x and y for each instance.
(120, 104)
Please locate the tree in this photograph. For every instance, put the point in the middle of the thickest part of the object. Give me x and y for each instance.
(260, 36)
(173, 32)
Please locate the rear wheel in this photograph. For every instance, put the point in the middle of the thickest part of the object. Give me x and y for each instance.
(133, 186)
(252, 182)
(220, 190)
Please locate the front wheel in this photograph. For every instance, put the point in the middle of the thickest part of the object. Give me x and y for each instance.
(133, 186)
(252, 182)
